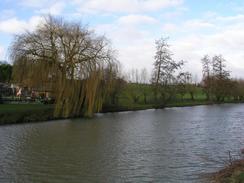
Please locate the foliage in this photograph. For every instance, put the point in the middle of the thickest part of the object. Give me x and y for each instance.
(5, 72)
(67, 59)
(22, 113)
(117, 86)
(216, 81)
(164, 78)
(233, 173)
(220, 78)
(206, 71)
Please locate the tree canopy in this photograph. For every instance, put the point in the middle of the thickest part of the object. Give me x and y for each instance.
(164, 72)
(5, 72)
(67, 59)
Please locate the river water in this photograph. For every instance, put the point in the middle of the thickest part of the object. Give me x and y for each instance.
(166, 145)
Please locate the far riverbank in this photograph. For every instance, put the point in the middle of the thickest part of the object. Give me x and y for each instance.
(29, 113)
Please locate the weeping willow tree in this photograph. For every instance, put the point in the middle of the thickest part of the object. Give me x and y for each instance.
(68, 58)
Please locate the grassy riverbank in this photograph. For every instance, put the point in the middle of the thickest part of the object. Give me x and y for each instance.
(131, 97)
(25, 113)
(151, 106)
(233, 173)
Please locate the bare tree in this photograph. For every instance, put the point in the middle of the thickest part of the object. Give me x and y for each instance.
(206, 70)
(219, 67)
(164, 77)
(133, 76)
(144, 85)
(185, 84)
(191, 86)
(144, 76)
(221, 78)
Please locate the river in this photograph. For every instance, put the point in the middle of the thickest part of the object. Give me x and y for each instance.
(166, 145)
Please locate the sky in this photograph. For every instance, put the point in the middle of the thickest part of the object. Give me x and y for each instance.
(194, 27)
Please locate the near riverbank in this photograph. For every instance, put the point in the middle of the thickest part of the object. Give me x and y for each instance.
(233, 173)
(26, 113)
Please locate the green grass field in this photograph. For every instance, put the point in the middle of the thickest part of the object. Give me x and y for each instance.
(132, 91)
(23, 107)
(130, 98)
(22, 113)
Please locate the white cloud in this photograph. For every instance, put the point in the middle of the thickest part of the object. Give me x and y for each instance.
(230, 19)
(55, 9)
(198, 24)
(175, 13)
(190, 41)
(190, 26)
(125, 6)
(136, 19)
(15, 26)
(12, 25)
(229, 43)
(135, 45)
(34, 3)
(169, 27)
(2, 53)
(126, 29)
(216, 35)
(138, 55)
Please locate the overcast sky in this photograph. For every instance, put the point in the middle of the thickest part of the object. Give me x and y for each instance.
(195, 27)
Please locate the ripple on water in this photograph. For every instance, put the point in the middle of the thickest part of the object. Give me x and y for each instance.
(171, 145)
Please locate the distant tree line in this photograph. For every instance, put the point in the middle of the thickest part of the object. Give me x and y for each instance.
(217, 83)
(169, 82)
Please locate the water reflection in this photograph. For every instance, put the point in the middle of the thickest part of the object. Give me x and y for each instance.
(170, 145)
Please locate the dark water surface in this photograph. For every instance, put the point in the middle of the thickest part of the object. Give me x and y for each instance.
(169, 145)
